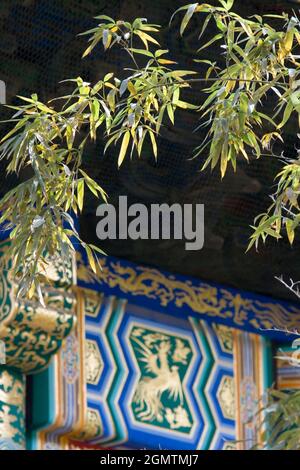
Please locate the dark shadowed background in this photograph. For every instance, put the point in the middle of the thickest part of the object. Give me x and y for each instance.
(39, 47)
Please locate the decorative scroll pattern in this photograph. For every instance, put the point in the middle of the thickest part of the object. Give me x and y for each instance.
(12, 409)
(32, 333)
(192, 297)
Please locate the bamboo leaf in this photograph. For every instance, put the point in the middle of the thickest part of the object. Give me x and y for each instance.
(141, 51)
(131, 88)
(154, 145)
(187, 17)
(80, 193)
(211, 41)
(90, 258)
(123, 149)
(289, 224)
(170, 112)
(286, 115)
(166, 61)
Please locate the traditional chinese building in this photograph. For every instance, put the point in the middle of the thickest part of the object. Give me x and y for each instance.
(164, 348)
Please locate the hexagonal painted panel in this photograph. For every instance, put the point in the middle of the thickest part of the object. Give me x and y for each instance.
(226, 397)
(93, 362)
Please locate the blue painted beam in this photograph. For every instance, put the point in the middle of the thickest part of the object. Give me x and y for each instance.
(184, 296)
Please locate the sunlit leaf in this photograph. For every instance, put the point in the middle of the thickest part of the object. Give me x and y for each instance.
(123, 149)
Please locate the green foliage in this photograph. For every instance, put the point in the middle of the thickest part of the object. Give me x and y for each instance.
(120, 32)
(138, 103)
(51, 141)
(37, 210)
(259, 64)
(281, 423)
(279, 415)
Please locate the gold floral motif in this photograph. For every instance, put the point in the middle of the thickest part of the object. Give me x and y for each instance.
(93, 426)
(93, 362)
(178, 418)
(226, 397)
(225, 337)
